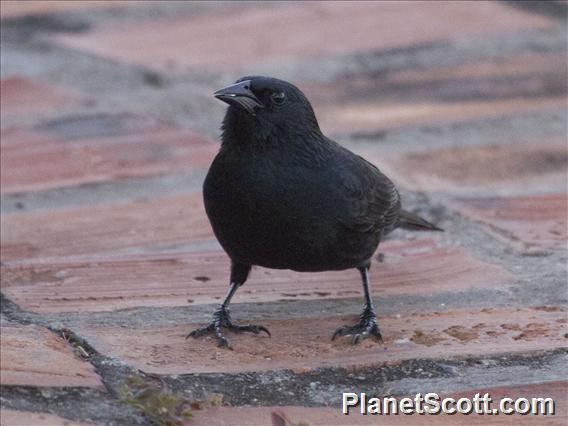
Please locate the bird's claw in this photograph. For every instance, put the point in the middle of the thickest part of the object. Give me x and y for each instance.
(367, 327)
(256, 329)
(200, 331)
(221, 319)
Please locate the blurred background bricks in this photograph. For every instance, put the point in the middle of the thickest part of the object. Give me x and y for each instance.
(108, 128)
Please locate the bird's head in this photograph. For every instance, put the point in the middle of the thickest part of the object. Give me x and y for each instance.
(264, 106)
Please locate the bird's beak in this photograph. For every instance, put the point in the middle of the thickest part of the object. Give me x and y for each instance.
(240, 95)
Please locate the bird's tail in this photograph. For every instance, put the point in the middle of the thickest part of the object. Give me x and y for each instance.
(411, 221)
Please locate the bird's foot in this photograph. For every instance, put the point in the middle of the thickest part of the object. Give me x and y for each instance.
(222, 319)
(366, 327)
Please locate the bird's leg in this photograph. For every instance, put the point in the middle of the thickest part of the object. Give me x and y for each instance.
(221, 316)
(367, 325)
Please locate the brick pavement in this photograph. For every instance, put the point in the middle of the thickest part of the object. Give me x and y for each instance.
(108, 127)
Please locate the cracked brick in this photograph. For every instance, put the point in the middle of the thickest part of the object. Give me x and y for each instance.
(34, 356)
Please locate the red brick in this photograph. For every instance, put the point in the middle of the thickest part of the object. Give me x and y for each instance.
(451, 92)
(304, 343)
(379, 114)
(499, 75)
(238, 38)
(24, 100)
(558, 391)
(262, 416)
(76, 153)
(16, 8)
(528, 223)
(99, 283)
(27, 418)
(486, 169)
(332, 416)
(401, 98)
(518, 64)
(132, 226)
(34, 356)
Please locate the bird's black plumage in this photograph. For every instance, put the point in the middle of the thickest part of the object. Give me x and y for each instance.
(280, 194)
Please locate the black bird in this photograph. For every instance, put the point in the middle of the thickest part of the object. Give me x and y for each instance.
(281, 195)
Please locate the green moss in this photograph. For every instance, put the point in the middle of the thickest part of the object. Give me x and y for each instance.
(161, 406)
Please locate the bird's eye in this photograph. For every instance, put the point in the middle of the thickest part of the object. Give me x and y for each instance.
(278, 98)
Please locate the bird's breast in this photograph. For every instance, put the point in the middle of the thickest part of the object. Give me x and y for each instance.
(280, 217)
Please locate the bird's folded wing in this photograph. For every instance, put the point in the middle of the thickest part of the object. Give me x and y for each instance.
(372, 201)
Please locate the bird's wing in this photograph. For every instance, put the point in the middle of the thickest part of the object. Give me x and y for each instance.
(372, 201)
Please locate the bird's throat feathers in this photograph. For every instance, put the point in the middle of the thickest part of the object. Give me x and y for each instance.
(242, 129)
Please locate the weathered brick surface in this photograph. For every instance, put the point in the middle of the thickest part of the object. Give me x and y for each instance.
(482, 169)
(97, 148)
(24, 99)
(304, 343)
(138, 225)
(27, 418)
(252, 416)
(231, 39)
(382, 115)
(527, 223)
(109, 282)
(34, 356)
(17, 8)
(106, 135)
(448, 91)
